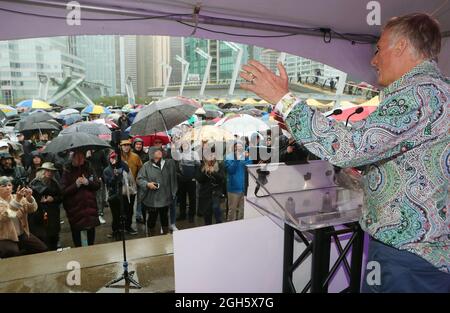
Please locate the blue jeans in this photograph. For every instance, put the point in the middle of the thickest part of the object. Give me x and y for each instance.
(401, 271)
(138, 208)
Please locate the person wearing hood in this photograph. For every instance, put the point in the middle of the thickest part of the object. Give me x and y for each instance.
(79, 185)
(9, 168)
(45, 222)
(157, 180)
(36, 163)
(138, 148)
(128, 192)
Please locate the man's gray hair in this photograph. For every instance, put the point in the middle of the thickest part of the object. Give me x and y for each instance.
(421, 30)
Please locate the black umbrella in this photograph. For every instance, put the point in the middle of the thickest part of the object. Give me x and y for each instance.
(91, 128)
(163, 115)
(38, 117)
(39, 126)
(75, 141)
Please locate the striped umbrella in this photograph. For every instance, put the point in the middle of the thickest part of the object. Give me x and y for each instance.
(9, 111)
(95, 109)
(34, 104)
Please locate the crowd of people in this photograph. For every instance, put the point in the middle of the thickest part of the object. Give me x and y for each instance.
(85, 183)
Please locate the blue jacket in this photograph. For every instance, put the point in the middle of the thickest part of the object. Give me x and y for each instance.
(236, 172)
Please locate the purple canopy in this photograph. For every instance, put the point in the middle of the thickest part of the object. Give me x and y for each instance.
(133, 17)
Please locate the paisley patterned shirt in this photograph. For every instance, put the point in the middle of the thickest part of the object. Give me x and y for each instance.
(404, 147)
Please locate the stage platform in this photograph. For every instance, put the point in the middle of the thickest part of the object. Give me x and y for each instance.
(151, 258)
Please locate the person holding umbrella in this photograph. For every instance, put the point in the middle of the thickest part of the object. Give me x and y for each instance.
(79, 185)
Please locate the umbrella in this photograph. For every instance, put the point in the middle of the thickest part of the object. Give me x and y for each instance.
(114, 117)
(127, 108)
(34, 118)
(208, 133)
(38, 127)
(242, 124)
(253, 112)
(163, 115)
(72, 119)
(9, 111)
(107, 122)
(75, 141)
(67, 112)
(37, 117)
(210, 114)
(95, 109)
(150, 139)
(34, 104)
(99, 130)
(367, 110)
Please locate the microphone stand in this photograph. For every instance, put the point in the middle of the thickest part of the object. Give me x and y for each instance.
(126, 275)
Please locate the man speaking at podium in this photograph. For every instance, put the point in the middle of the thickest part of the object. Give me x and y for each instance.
(404, 146)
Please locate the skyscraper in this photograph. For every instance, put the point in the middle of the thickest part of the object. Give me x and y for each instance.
(99, 56)
(22, 61)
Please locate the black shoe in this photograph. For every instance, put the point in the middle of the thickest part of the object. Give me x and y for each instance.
(181, 217)
(131, 231)
(140, 220)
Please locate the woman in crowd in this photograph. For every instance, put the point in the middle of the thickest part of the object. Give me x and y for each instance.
(110, 176)
(211, 178)
(36, 163)
(45, 222)
(15, 236)
(157, 180)
(79, 185)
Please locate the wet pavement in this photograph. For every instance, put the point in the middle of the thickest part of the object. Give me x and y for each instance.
(150, 257)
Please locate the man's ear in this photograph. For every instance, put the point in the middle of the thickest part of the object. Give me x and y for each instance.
(400, 47)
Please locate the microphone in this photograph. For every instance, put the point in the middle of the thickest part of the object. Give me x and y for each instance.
(335, 112)
(358, 110)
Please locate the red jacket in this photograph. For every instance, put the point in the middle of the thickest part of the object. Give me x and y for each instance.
(80, 202)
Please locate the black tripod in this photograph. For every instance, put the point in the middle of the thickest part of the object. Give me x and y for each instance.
(126, 275)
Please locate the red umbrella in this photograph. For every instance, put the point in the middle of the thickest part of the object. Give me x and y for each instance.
(367, 110)
(150, 139)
